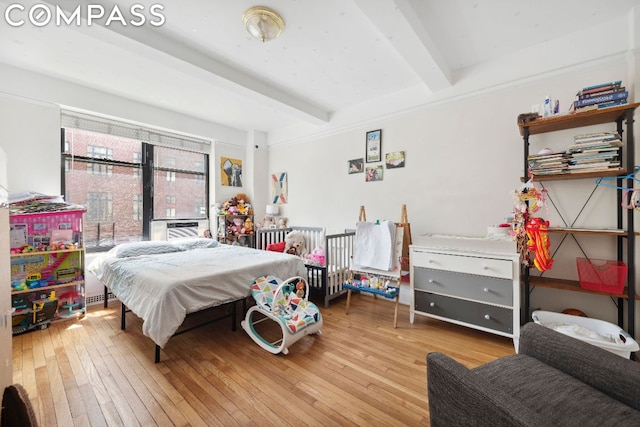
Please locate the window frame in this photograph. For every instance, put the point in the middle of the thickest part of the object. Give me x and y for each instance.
(147, 168)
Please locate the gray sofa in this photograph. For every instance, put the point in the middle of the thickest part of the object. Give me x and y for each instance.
(554, 380)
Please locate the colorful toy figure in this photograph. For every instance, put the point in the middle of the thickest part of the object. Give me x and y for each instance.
(300, 289)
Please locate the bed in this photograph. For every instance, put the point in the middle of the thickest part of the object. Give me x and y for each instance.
(164, 281)
(325, 281)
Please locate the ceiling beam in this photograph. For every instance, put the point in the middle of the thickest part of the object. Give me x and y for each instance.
(399, 22)
(234, 78)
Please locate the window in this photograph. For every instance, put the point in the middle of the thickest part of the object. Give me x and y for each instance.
(137, 158)
(99, 207)
(137, 207)
(186, 186)
(103, 153)
(110, 175)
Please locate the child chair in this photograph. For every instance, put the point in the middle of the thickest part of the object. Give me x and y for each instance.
(285, 303)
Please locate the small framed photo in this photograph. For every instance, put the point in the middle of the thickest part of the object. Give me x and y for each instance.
(374, 146)
(394, 160)
(356, 166)
(374, 173)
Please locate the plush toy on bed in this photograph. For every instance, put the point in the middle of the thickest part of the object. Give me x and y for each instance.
(295, 244)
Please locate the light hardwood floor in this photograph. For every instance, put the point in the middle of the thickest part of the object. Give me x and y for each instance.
(360, 371)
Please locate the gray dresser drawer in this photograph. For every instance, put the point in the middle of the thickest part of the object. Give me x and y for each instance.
(484, 315)
(481, 288)
(481, 266)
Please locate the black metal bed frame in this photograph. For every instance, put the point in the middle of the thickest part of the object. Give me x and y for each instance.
(233, 314)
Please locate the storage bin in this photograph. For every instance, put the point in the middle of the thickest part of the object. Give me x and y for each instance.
(602, 334)
(602, 275)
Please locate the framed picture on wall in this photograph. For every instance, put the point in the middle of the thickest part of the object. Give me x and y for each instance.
(373, 173)
(374, 146)
(394, 160)
(230, 172)
(356, 166)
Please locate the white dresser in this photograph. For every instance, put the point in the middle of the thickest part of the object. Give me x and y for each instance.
(473, 282)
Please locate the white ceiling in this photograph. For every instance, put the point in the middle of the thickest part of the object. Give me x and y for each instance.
(333, 56)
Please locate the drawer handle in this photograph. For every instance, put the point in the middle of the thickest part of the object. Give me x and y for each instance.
(432, 304)
(485, 290)
(430, 280)
(485, 267)
(486, 316)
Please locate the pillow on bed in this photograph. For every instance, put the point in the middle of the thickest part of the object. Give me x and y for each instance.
(127, 250)
(276, 247)
(188, 244)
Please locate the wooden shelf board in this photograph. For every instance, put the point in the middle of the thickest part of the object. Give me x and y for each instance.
(581, 175)
(48, 288)
(607, 232)
(571, 285)
(24, 254)
(570, 121)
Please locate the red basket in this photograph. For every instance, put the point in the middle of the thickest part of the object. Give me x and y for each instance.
(602, 275)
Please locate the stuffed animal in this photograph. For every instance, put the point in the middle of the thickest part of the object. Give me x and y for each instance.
(248, 226)
(282, 222)
(317, 256)
(295, 240)
(267, 223)
(238, 226)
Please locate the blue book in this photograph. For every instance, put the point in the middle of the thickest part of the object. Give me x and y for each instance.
(602, 98)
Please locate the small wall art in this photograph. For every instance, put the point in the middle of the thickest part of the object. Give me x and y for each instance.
(374, 146)
(279, 188)
(230, 172)
(394, 160)
(373, 173)
(356, 166)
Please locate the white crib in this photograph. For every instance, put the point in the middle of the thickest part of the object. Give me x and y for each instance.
(324, 281)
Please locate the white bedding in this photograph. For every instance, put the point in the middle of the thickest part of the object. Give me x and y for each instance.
(163, 288)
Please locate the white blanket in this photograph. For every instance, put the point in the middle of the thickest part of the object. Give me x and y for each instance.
(375, 245)
(162, 289)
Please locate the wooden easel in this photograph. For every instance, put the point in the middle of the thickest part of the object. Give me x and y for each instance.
(406, 241)
(403, 240)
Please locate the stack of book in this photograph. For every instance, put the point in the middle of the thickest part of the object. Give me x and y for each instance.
(589, 153)
(594, 152)
(600, 96)
(549, 163)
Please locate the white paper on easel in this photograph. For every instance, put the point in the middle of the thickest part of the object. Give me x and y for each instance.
(375, 245)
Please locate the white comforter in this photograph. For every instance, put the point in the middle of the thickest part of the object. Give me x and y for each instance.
(162, 289)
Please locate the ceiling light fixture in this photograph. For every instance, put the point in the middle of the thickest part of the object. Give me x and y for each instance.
(263, 23)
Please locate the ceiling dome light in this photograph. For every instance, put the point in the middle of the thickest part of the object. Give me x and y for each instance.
(263, 23)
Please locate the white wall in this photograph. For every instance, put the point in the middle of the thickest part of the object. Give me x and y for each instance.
(463, 161)
(30, 137)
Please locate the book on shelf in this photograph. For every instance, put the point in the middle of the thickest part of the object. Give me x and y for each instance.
(596, 136)
(600, 106)
(604, 92)
(602, 98)
(600, 87)
(594, 145)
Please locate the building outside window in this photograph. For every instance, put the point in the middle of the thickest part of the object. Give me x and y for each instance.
(107, 174)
